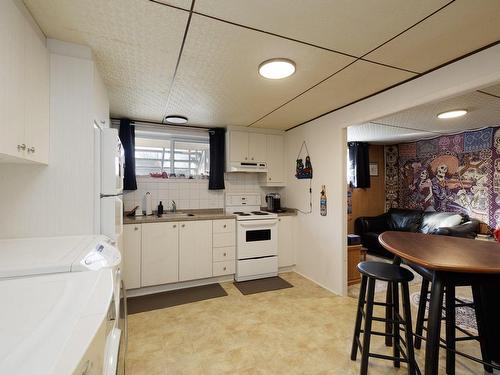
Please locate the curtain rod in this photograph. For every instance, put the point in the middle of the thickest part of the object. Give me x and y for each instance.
(138, 122)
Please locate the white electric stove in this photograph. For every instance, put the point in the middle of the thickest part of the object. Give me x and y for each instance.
(256, 237)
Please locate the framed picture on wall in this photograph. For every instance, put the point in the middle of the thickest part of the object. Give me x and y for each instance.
(373, 169)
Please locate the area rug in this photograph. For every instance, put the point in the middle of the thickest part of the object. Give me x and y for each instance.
(465, 316)
(262, 285)
(173, 298)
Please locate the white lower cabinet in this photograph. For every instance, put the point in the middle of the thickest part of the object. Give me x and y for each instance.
(131, 256)
(169, 252)
(195, 250)
(160, 253)
(286, 243)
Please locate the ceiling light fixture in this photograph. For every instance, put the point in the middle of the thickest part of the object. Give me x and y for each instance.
(175, 119)
(277, 68)
(452, 114)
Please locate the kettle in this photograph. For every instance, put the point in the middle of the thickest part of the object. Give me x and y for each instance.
(273, 202)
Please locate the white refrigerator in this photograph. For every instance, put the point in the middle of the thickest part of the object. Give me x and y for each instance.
(109, 183)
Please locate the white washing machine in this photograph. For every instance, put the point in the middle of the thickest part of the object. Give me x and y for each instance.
(25, 257)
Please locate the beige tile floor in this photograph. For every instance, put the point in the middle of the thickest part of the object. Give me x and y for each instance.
(300, 330)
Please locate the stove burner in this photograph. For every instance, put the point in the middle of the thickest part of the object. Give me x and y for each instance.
(259, 213)
(239, 213)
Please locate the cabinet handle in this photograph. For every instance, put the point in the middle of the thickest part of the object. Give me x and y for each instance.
(183, 225)
(225, 254)
(136, 228)
(225, 225)
(246, 158)
(21, 147)
(252, 158)
(279, 219)
(31, 149)
(225, 268)
(269, 178)
(174, 226)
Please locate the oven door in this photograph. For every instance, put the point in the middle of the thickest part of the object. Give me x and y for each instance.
(257, 238)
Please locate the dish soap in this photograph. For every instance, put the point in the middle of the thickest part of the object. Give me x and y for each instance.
(322, 201)
(159, 211)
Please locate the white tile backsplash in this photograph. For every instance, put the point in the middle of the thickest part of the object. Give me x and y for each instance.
(193, 194)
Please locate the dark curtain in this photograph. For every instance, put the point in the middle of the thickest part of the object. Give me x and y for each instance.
(217, 158)
(127, 137)
(359, 168)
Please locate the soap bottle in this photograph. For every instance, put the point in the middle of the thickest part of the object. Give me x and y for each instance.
(160, 209)
(322, 201)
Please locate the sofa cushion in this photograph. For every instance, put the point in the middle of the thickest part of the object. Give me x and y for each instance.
(404, 220)
(432, 221)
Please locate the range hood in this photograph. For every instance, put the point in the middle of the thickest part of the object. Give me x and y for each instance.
(237, 166)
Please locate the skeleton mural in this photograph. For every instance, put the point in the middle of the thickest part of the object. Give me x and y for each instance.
(457, 173)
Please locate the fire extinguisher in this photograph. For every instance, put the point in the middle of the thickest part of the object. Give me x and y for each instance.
(322, 201)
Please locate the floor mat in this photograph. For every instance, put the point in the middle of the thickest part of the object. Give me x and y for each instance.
(262, 285)
(173, 298)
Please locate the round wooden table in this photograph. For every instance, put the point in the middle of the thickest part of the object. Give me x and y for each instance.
(455, 261)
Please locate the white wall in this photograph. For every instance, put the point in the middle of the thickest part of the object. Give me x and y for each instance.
(57, 199)
(320, 239)
(321, 251)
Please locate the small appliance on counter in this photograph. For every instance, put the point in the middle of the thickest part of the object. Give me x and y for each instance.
(273, 201)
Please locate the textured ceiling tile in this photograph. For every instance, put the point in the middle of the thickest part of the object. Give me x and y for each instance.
(357, 81)
(375, 133)
(460, 28)
(218, 81)
(353, 27)
(135, 43)
(494, 90)
(484, 110)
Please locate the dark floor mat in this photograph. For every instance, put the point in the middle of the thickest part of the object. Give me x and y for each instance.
(173, 298)
(262, 285)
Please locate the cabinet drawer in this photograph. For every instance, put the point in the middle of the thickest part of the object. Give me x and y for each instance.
(223, 226)
(221, 254)
(224, 239)
(223, 268)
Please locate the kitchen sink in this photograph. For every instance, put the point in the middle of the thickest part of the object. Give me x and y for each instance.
(176, 214)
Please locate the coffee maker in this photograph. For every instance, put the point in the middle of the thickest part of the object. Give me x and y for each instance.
(273, 202)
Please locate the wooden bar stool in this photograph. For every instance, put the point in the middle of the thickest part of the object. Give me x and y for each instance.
(394, 275)
(451, 303)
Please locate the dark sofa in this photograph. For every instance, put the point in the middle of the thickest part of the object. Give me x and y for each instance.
(400, 219)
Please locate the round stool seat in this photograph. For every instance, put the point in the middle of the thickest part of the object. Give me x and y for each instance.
(385, 271)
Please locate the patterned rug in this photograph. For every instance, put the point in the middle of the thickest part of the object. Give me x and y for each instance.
(465, 316)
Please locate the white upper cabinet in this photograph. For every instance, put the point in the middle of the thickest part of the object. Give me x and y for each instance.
(238, 146)
(257, 147)
(24, 78)
(275, 160)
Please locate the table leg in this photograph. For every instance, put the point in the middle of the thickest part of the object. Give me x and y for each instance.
(434, 326)
(481, 328)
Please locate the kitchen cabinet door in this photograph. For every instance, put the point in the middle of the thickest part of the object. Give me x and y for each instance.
(131, 256)
(36, 97)
(275, 160)
(11, 79)
(160, 253)
(238, 146)
(286, 243)
(195, 250)
(257, 147)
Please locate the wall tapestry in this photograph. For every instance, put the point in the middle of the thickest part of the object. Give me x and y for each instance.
(455, 173)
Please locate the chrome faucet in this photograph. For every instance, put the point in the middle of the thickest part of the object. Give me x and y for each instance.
(174, 206)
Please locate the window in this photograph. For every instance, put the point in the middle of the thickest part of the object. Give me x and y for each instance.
(182, 154)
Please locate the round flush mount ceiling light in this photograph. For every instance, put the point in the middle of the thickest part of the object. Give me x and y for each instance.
(175, 119)
(452, 114)
(277, 68)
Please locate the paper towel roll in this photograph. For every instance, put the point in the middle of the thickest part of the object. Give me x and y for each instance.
(148, 205)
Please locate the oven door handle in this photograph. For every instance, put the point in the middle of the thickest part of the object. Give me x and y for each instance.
(258, 223)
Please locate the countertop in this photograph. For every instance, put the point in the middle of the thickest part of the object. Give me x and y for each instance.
(181, 215)
(192, 215)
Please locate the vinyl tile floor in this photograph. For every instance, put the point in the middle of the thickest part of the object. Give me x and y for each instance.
(301, 330)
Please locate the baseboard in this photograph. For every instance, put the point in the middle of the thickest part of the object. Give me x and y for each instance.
(315, 282)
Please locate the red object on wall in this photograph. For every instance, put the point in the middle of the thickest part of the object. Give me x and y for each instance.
(496, 234)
